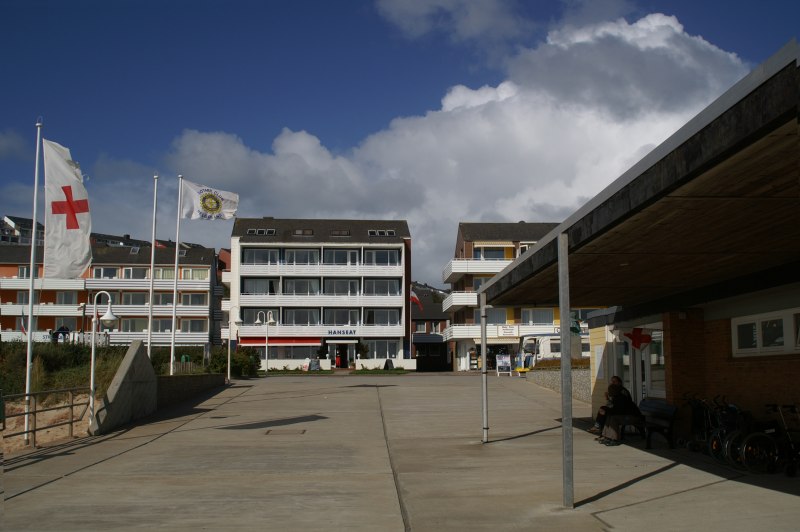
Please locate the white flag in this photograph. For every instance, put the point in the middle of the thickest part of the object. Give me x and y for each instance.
(67, 223)
(200, 201)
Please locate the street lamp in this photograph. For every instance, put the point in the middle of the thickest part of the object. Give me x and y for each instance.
(267, 322)
(108, 320)
(237, 321)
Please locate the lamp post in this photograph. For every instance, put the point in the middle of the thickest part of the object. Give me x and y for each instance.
(267, 322)
(237, 321)
(108, 320)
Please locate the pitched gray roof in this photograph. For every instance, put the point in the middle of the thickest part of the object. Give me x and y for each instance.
(116, 255)
(517, 232)
(319, 230)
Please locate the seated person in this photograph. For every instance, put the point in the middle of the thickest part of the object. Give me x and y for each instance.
(621, 405)
(600, 420)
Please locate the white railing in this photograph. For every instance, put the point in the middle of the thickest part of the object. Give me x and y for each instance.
(357, 331)
(457, 300)
(42, 309)
(15, 283)
(159, 338)
(144, 284)
(318, 300)
(332, 270)
(158, 310)
(456, 268)
(455, 332)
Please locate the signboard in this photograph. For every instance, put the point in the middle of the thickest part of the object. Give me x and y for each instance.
(503, 364)
(508, 330)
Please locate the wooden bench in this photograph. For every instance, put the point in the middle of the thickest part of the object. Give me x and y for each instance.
(657, 416)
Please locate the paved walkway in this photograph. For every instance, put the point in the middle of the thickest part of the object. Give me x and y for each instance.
(378, 454)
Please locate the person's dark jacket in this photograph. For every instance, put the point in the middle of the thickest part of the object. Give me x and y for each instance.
(622, 405)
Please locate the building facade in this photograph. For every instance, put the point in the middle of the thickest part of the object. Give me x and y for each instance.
(123, 272)
(335, 290)
(428, 323)
(482, 250)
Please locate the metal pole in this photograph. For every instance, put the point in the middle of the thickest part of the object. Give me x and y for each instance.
(152, 270)
(230, 331)
(566, 370)
(32, 276)
(92, 390)
(484, 381)
(175, 275)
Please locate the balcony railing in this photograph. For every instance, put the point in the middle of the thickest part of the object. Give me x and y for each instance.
(356, 331)
(457, 268)
(332, 270)
(144, 284)
(459, 300)
(23, 283)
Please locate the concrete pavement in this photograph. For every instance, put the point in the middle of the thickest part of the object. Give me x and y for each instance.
(378, 453)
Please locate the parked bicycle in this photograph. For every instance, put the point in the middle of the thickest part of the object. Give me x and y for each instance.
(776, 447)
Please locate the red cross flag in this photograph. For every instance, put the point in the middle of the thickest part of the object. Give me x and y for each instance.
(67, 224)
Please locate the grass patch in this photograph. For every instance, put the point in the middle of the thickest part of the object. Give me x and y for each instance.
(261, 373)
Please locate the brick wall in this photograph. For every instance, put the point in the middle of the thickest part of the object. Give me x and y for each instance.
(700, 361)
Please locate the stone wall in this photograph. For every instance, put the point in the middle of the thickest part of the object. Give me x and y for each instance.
(173, 389)
(551, 378)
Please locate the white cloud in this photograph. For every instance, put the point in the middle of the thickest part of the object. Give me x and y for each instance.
(462, 20)
(575, 112)
(13, 146)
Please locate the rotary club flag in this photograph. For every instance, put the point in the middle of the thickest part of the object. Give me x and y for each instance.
(200, 201)
(68, 225)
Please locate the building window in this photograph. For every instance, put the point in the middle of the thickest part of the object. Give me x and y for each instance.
(489, 253)
(105, 272)
(494, 316)
(164, 273)
(302, 256)
(381, 316)
(162, 324)
(134, 273)
(22, 297)
(340, 232)
(420, 327)
(341, 316)
(260, 256)
(301, 316)
(195, 274)
(134, 298)
(194, 326)
(23, 272)
(70, 323)
(259, 286)
(66, 298)
(436, 327)
(301, 287)
(196, 300)
(340, 256)
(162, 298)
(251, 315)
(382, 257)
(382, 348)
(477, 282)
(341, 287)
(537, 316)
(382, 287)
(773, 333)
(134, 324)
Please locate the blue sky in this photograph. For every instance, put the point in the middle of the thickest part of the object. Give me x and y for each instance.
(434, 111)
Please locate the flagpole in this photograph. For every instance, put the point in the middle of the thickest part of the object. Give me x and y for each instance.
(152, 270)
(32, 276)
(175, 288)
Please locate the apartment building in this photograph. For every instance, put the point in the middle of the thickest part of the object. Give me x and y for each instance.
(123, 272)
(335, 290)
(483, 250)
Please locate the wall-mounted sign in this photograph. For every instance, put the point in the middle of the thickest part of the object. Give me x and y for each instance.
(341, 332)
(507, 330)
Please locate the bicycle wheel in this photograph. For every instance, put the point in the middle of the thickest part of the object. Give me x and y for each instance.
(716, 445)
(733, 448)
(759, 453)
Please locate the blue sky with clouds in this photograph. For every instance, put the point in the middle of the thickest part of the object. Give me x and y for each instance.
(434, 111)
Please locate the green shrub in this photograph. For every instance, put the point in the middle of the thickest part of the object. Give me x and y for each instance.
(577, 363)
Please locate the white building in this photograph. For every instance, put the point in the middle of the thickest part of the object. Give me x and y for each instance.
(482, 251)
(337, 290)
(123, 272)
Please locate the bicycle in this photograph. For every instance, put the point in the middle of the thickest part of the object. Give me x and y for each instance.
(776, 447)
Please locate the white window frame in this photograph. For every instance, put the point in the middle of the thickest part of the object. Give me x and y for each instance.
(790, 319)
(127, 272)
(188, 274)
